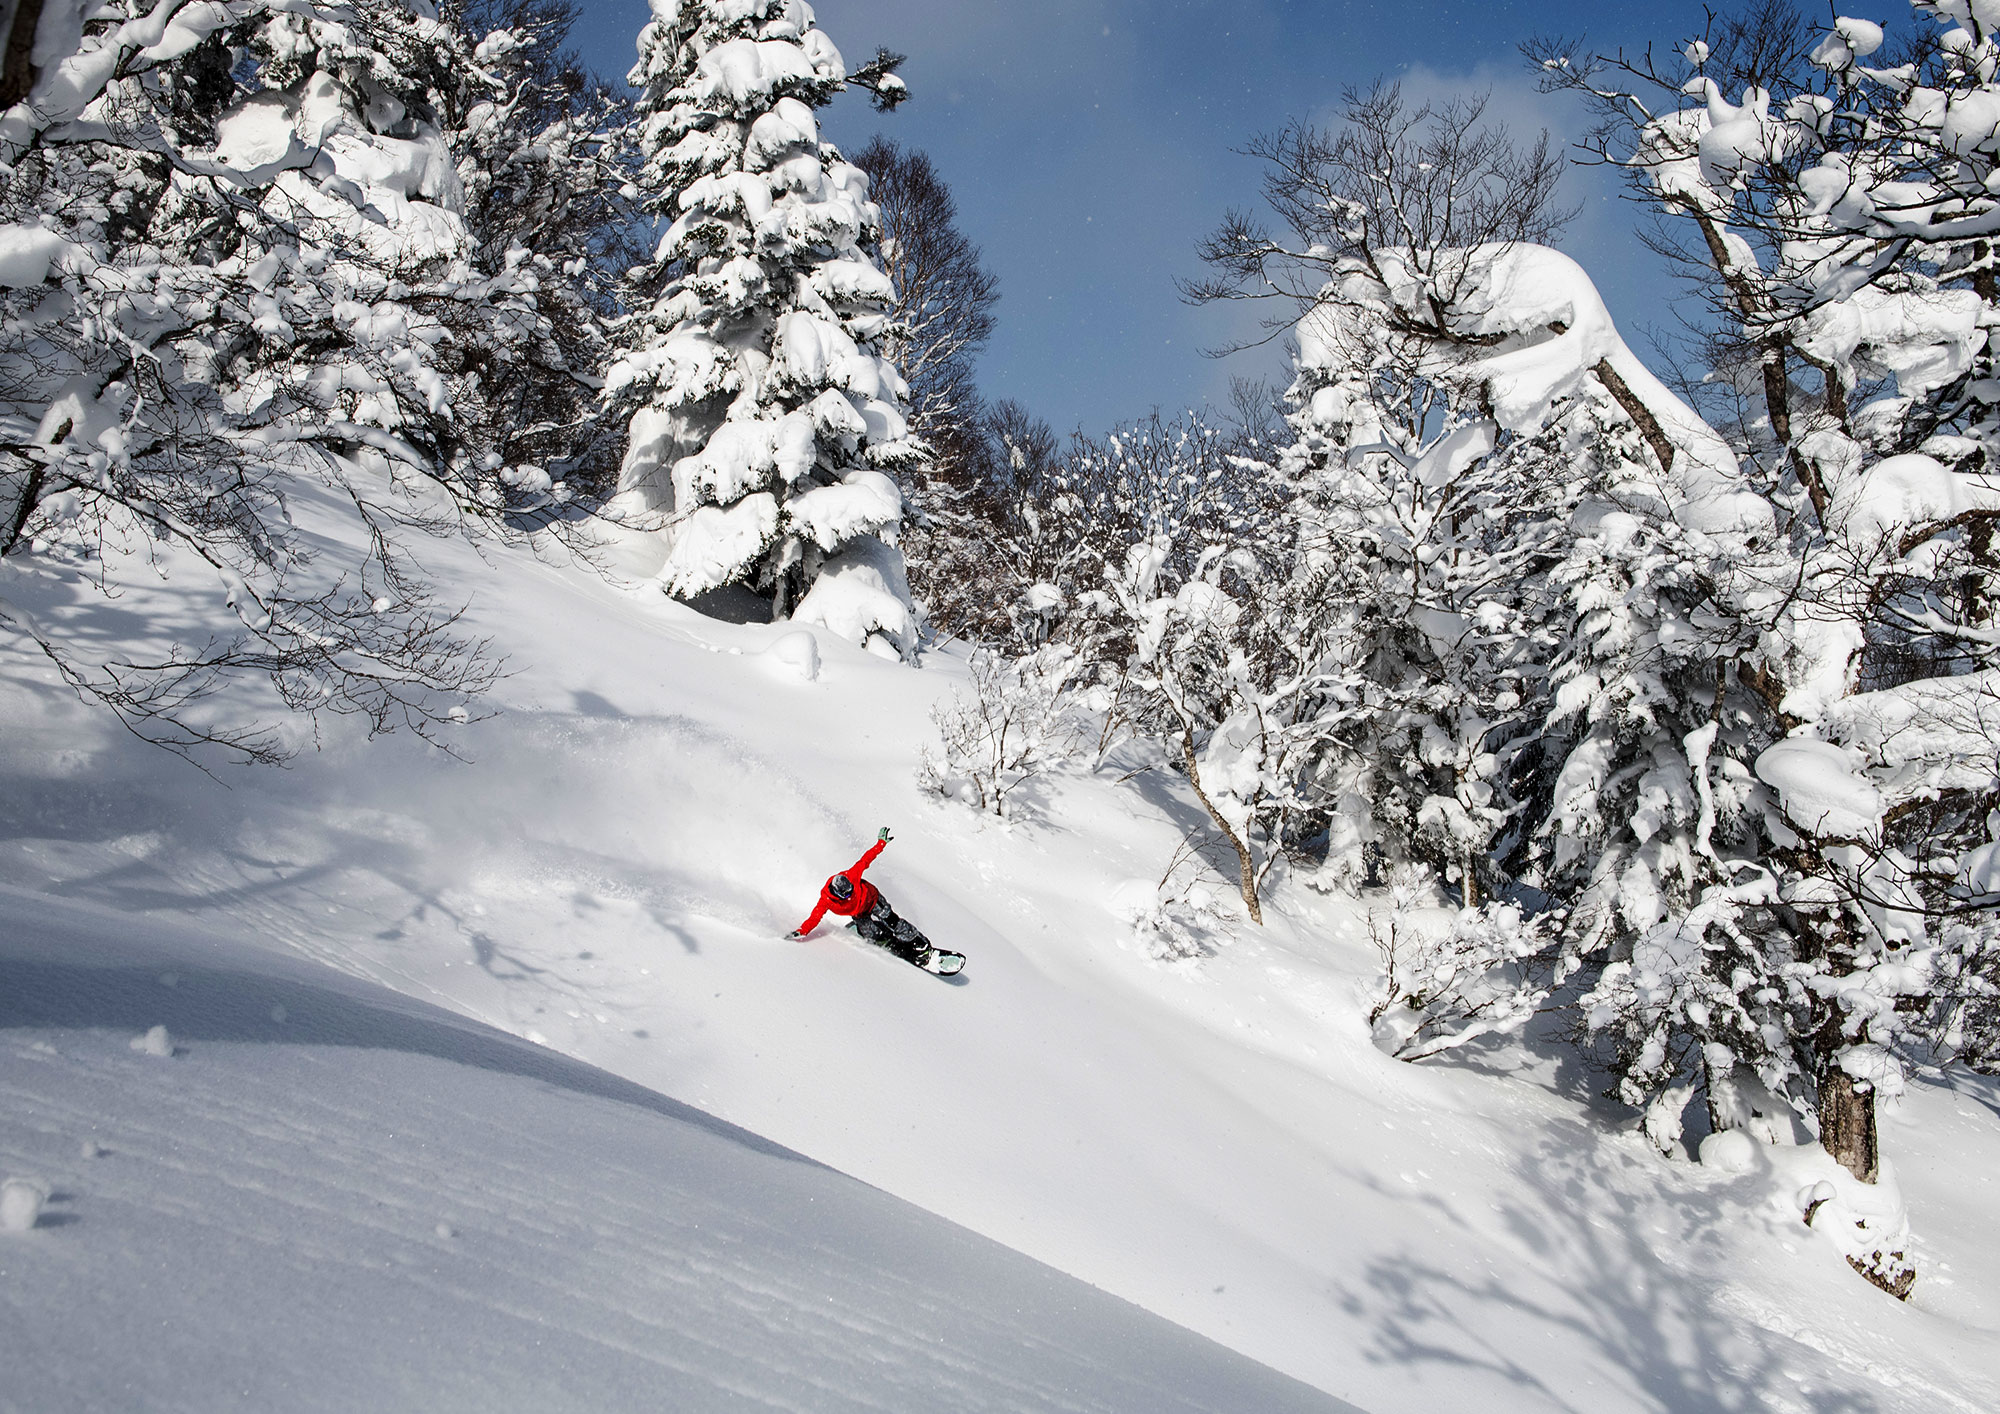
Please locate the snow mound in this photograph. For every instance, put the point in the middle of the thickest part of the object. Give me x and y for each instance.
(1903, 492)
(864, 503)
(1867, 1223)
(795, 655)
(21, 1201)
(28, 253)
(1923, 340)
(258, 138)
(1731, 1151)
(863, 595)
(714, 545)
(155, 1042)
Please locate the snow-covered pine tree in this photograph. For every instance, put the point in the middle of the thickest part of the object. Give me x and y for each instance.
(1642, 825)
(1422, 519)
(765, 429)
(231, 238)
(1423, 528)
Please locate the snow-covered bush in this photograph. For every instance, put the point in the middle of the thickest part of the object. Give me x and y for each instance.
(1023, 717)
(1178, 917)
(1228, 665)
(1184, 483)
(1425, 530)
(764, 425)
(1450, 977)
(1181, 925)
(1180, 929)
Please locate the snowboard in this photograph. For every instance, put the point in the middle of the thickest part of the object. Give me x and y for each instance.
(944, 962)
(940, 962)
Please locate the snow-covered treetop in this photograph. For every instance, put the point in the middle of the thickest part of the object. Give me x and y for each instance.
(764, 415)
(1527, 328)
(738, 52)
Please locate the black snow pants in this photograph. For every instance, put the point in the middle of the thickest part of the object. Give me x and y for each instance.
(881, 926)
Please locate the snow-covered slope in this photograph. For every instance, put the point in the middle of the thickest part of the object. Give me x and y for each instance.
(312, 1194)
(1217, 1142)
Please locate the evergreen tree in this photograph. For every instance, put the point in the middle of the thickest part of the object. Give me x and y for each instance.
(765, 428)
(1642, 820)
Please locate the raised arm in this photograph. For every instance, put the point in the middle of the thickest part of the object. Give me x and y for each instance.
(861, 864)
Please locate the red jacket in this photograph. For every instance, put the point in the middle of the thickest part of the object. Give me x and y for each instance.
(860, 902)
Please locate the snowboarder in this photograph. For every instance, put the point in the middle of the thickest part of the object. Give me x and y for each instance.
(869, 914)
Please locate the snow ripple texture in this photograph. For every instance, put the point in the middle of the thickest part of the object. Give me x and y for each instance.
(333, 1198)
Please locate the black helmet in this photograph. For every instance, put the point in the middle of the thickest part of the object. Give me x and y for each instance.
(840, 886)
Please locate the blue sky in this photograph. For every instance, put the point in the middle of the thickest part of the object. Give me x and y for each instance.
(1089, 144)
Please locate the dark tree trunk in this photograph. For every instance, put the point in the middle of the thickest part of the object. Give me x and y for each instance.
(1847, 1132)
(17, 72)
(1847, 1123)
(31, 496)
(1649, 425)
(1846, 1111)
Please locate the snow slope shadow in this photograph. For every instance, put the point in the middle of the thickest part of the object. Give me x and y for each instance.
(209, 1005)
(335, 1198)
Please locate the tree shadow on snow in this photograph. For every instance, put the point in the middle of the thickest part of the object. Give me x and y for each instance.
(219, 1005)
(145, 885)
(1982, 1090)
(1157, 788)
(1595, 1286)
(1546, 1053)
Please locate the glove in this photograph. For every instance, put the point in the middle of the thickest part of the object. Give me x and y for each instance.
(795, 933)
(884, 835)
